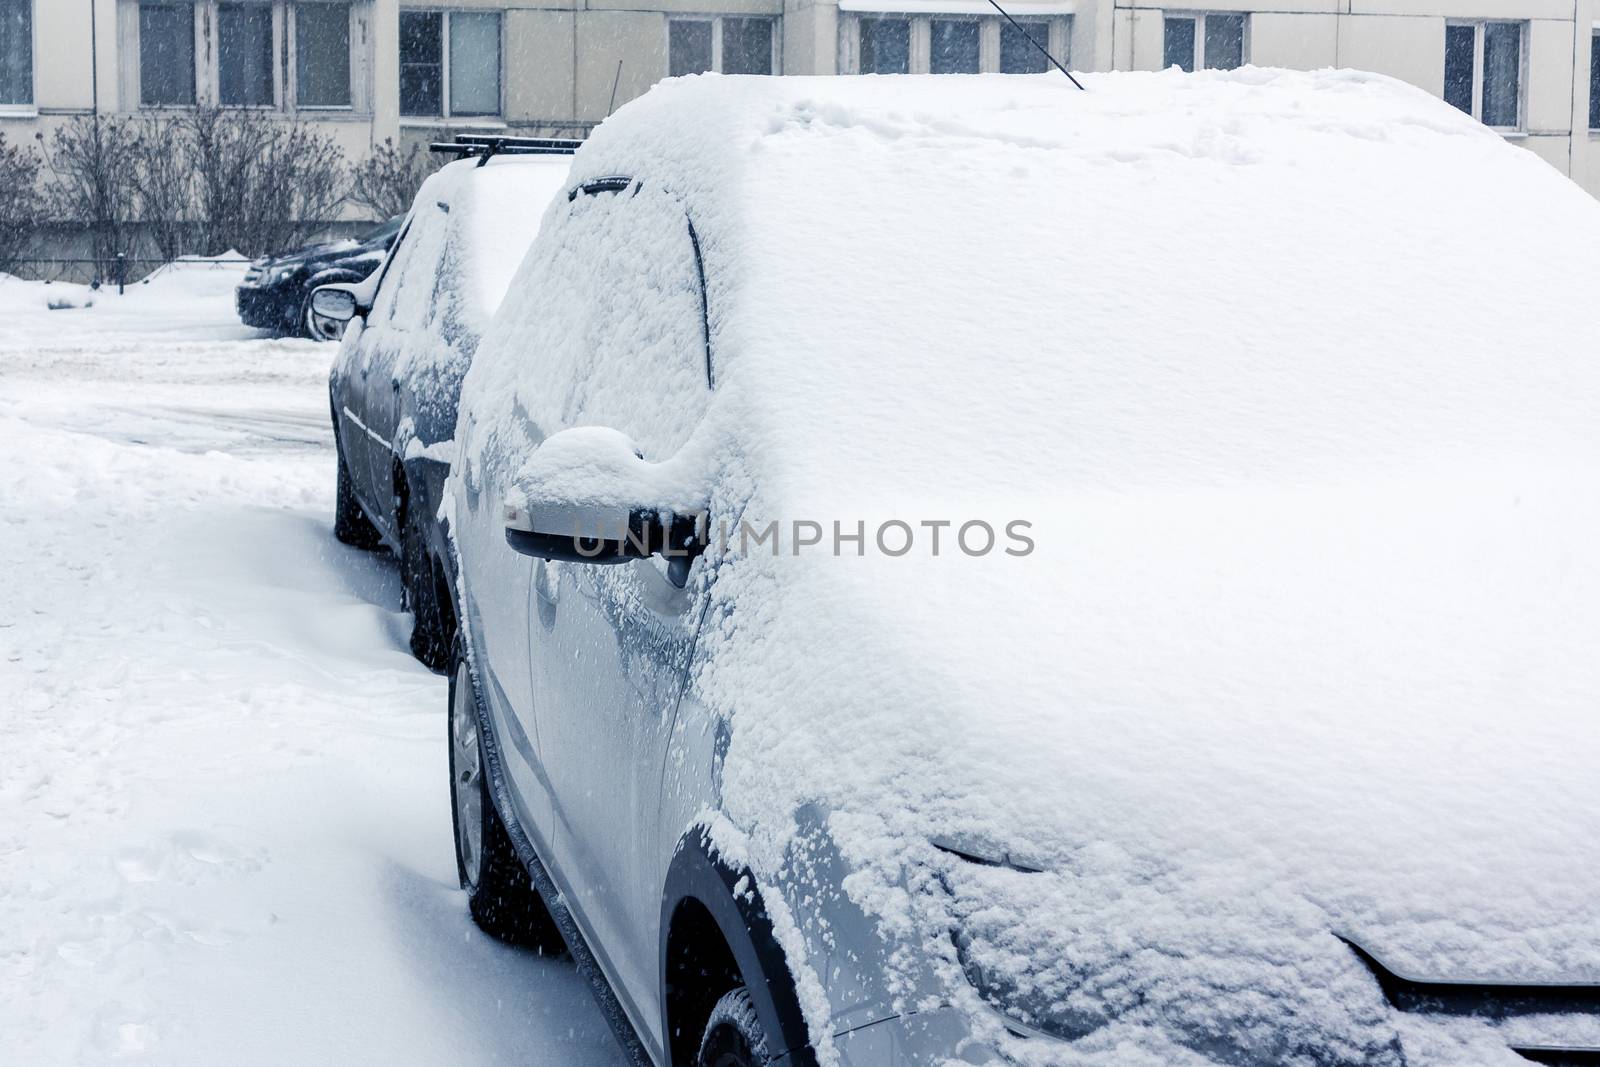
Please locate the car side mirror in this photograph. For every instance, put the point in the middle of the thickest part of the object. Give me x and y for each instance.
(334, 302)
(587, 496)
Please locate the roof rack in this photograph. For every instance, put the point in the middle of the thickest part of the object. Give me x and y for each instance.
(470, 146)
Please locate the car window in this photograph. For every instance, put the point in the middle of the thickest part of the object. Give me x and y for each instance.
(615, 320)
(405, 294)
(383, 231)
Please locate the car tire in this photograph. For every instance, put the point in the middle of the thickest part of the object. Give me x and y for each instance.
(303, 326)
(734, 1037)
(350, 524)
(500, 895)
(430, 644)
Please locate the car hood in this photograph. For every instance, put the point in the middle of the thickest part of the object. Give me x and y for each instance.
(1226, 726)
(322, 253)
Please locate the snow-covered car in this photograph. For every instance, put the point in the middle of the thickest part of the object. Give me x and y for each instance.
(413, 327)
(968, 570)
(276, 291)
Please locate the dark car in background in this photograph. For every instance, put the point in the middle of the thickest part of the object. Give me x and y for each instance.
(276, 292)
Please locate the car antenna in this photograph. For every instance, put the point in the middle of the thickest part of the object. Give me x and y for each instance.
(1036, 44)
(617, 78)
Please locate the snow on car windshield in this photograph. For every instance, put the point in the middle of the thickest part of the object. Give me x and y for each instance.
(1300, 510)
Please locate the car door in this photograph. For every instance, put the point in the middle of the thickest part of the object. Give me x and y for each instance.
(402, 306)
(366, 450)
(609, 647)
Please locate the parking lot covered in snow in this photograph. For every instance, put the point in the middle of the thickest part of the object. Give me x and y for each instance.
(224, 825)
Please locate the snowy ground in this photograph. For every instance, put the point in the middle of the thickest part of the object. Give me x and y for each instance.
(224, 825)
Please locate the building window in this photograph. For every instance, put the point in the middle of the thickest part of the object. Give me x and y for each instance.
(1483, 71)
(244, 55)
(166, 53)
(885, 46)
(689, 47)
(241, 53)
(726, 44)
(1018, 53)
(322, 55)
(1594, 80)
(449, 63)
(747, 46)
(16, 52)
(954, 47)
(421, 63)
(1208, 41)
(949, 44)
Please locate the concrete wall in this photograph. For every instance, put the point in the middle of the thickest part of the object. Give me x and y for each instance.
(561, 57)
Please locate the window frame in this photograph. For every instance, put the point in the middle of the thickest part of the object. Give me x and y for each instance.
(1478, 28)
(211, 23)
(28, 108)
(1058, 26)
(446, 114)
(1198, 17)
(965, 20)
(775, 21)
(285, 59)
(1027, 23)
(291, 46)
(136, 52)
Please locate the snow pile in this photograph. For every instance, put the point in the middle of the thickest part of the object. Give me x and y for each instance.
(174, 301)
(1306, 643)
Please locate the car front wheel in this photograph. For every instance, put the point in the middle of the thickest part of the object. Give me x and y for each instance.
(500, 895)
(734, 1037)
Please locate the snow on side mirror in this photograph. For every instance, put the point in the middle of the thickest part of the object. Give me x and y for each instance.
(333, 302)
(587, 496)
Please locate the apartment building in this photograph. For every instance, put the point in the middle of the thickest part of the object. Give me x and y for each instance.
(366, 70)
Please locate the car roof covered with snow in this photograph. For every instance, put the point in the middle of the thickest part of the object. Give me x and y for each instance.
(466, 234)
(1294, 379)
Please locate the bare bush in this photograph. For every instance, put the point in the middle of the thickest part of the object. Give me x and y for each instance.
(21, 206)
(166, 186)
(304, 181)
(206, 180)
(387, 181)
(260, 185)
(93, 160)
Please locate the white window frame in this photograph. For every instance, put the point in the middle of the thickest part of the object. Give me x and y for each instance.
(207, 52)
(445, 114)
(920, 61)
(30, 109)
(1478, 26)
(716, 39)
(1199, 20)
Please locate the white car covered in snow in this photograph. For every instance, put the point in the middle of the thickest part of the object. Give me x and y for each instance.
(968, 570)
(411, 330)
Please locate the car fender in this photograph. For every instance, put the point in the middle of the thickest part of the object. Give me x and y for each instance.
(701, 872)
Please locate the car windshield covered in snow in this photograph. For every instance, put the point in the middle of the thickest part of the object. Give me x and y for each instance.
(1302, 611)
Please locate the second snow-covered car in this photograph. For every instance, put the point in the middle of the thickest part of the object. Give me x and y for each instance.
(964, 570)
(413, 328)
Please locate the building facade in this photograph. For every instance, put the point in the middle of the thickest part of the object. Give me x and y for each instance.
(370, 70)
